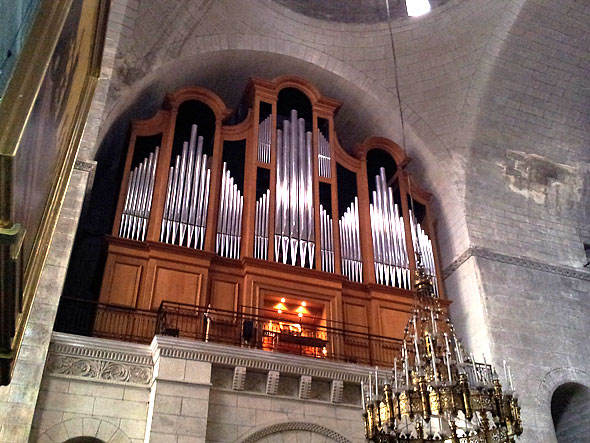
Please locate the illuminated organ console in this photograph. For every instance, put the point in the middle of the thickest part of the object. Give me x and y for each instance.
(235, 217)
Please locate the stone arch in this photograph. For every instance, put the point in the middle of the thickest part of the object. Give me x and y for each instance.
(94, 429)
(547, 387)
(555, 378)
(290, 427)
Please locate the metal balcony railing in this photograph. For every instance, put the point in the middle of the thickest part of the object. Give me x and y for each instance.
(246, 327)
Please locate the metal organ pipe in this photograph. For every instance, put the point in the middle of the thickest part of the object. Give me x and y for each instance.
(187, 196)
(264, 140)
(391, 257)
(326, 241)
(294, 227)
(229, 222)
(422, 243)
(352, 265)
(324, 157)
(261, 227)
(138, 199)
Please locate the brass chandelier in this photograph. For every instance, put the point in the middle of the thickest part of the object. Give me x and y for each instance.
(438, 393)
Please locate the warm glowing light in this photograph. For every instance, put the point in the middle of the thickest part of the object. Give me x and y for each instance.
(301, 310)
(417, 7)
(300, 314)
(280, 307)
(303, 303)
(279, 311)
(283, 300)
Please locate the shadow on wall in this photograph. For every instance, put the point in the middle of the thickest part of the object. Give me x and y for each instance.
(570, 410)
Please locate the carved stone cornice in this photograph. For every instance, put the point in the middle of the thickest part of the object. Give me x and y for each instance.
(488, 254)
(256, 359)
(108, 361)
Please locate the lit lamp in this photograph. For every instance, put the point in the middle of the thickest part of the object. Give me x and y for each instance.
(280, 307)
(301, 310)
(417, 7)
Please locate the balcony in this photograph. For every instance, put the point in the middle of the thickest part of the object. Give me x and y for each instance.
(247, 328)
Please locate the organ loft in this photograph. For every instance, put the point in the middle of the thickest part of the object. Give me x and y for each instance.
(261, 229)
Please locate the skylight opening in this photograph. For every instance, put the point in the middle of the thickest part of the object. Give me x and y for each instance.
(417, 8)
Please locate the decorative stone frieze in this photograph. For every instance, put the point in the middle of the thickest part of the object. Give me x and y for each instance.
(488, 254)
(90, 358)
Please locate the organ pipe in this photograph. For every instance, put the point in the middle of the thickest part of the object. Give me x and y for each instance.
(324, 156)
(294, 225)
(261, 227)
(138, 200)
(350, 250)
(387, 229)
(187, 196)
(229, 221)
(186, 192)
(423, 245)
(264, 131)
(326, 241)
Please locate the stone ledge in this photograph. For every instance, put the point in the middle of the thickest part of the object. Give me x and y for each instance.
(488, 254)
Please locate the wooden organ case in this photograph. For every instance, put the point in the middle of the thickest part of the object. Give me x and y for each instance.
(245, 217)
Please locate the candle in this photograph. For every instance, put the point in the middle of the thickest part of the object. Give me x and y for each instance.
(370, 388)
(376, 383)
(448, 355)
(434, 331)
(505, 373)
(406, 364)
(363, 394)
(395, 372)
(510, 377)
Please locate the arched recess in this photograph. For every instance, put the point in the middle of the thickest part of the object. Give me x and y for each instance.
(83, 440)
(84, 430)
(570, 410)
(331, 436)
(550, 383)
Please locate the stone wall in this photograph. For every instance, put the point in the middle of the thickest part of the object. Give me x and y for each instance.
(183, 391)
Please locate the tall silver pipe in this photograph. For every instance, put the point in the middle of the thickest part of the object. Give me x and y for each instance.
(164, 226)
(350, 243)
(326, 243)
(309, 198)
(124, 215)
(188, 187)
(301, 191)
(229, 224)
(222, 208)
(324, 156)
(197, 193)
(279, 195)
(294, 228)
(150, 192)
(204, 206)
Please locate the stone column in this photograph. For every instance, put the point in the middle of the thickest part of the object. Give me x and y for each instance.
(179, 397)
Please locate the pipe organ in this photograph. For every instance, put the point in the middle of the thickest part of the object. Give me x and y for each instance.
(220, 214)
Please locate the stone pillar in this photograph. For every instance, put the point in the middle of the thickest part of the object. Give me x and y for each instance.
(179, 398)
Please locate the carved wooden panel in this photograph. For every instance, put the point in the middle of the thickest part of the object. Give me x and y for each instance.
(177, 284)
(224, 295)
(124, 277)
